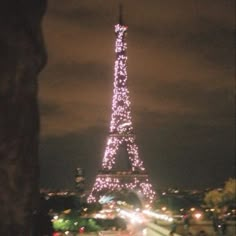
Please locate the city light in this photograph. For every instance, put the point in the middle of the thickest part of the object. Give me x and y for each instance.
(197, 215)
(164, 208)
(133, 217)
(158, 216)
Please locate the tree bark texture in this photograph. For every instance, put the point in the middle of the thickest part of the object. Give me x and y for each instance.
(22, 57)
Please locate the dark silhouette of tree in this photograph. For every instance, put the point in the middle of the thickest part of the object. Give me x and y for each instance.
(22, 57)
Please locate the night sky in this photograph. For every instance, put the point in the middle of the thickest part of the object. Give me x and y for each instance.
(181, 71)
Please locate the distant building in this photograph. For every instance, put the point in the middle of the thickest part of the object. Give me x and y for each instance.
(80, 181)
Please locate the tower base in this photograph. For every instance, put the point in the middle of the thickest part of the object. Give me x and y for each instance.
(110, 183)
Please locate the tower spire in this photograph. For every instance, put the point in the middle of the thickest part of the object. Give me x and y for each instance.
(120, 14)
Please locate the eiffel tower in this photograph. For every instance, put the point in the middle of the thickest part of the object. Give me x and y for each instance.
(121, 136)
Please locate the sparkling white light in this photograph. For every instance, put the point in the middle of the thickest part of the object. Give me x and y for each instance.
(121, 130)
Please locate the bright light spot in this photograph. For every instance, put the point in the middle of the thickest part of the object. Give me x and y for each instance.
(163, 208)
(159, 216)
(198, 216)
(67, 232)
(55, 217)
(144, 232)
(125, 124)
(67, 211)
(132, 216)
(192, 209)
(100, 216)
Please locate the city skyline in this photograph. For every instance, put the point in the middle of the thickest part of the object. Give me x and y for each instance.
(181, 80)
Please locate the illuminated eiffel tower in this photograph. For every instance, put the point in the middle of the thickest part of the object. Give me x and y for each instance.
(121, 136)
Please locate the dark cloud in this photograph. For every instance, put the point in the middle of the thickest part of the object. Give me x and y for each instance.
(61, 155)
(91, 15)
(47, 109)
(217, 102)
(211, 43)
(182, 149)
(88, 71)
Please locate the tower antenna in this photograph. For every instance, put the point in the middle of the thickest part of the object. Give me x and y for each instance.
(120, 14)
